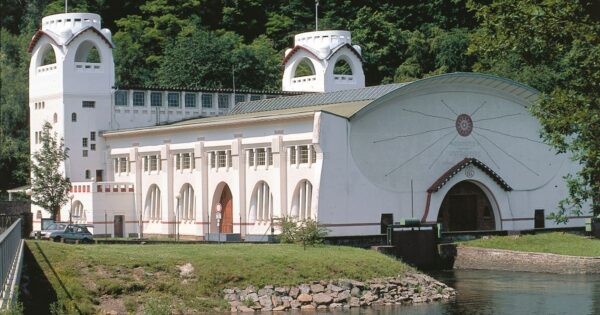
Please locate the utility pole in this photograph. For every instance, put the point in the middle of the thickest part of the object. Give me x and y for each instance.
(316, 15)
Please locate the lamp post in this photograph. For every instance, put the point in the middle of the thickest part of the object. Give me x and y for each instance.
(218, 217)
(177, 216)
(71, 196)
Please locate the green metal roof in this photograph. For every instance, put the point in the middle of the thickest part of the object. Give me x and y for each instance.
(314, 99)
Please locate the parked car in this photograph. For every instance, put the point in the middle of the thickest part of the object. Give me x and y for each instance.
(44, 233)
(71, 232)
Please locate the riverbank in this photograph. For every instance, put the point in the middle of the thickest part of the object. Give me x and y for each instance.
(550, 252)
(180, 278)
(553, 243)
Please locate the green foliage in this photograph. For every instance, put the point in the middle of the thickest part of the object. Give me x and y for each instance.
(48, 185)
(305, 232)
(560, 58)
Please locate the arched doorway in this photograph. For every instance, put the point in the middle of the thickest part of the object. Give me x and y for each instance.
(226, 201)
(466, 208)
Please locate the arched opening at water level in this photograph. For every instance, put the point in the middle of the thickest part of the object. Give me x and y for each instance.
(466, 208)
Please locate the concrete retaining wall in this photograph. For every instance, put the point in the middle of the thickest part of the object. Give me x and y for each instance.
(498, 259)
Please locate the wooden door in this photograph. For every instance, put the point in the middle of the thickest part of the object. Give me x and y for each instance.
(227, 210)
(118, 225)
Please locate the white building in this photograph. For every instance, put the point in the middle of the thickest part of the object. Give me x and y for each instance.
(461, 148)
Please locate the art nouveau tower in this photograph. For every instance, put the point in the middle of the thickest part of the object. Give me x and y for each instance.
(71, 76)
(323, 61)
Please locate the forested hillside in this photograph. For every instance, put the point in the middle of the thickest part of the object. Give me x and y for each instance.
(548, 44)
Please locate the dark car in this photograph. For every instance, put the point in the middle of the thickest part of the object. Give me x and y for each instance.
(71, 232)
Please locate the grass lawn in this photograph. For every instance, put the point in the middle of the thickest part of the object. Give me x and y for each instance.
(146, 278)
(555, 243)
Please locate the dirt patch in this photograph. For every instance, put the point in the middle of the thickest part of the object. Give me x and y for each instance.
(111, 305)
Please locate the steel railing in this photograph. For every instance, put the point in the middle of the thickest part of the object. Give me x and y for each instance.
(11, 252)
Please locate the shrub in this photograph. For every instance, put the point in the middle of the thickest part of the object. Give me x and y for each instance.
(307, 232)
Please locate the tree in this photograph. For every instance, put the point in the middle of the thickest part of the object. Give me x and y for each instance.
(49, 187)
(554, 46)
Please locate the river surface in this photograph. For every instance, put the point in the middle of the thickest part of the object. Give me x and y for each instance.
(511, 293)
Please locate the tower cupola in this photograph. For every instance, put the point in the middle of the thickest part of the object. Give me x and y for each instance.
(323, 61)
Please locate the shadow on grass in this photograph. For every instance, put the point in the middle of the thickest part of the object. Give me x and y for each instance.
(37, 293)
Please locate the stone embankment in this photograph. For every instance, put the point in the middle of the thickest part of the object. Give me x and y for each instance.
(500, 259)
(410, 288)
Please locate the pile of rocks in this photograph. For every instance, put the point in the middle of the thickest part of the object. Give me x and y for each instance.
(410, 288)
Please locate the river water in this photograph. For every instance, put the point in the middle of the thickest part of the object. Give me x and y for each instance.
(511, 293)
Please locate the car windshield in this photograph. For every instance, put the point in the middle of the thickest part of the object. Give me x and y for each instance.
(56, 226)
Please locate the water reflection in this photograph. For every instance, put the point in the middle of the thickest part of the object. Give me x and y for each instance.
(498, 292)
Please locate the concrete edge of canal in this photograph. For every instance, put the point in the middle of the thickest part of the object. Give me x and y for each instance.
(466, 257)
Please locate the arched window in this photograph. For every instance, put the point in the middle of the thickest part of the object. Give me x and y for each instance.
(152, 207)
(55, 118)
(87, 52)
(302, 201)
(47, 56)
(304, 68)
(74, 117)
(186, 203)
(261, 203)
(78, 213)
(342, 67)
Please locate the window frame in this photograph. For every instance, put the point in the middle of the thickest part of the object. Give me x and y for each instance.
(190, 96)
(120, 96)
(207, 97)
(136, 98)
(174, 104)
(156, 98)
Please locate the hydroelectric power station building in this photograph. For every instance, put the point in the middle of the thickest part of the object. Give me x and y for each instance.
(460, 149)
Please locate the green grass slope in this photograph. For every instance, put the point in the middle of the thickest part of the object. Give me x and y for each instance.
(146, 278)
(555, 243)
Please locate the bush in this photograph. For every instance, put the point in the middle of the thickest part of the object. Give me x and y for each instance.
(307, 232)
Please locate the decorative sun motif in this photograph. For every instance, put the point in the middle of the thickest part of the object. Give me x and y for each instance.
(464, 125)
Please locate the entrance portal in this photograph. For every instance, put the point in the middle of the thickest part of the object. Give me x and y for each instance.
(226, 201)
(466, 208)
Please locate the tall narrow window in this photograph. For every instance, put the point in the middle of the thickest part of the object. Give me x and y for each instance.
(156, 99)
(190, 100)
(313, 156)
(292, 155)
(186, 160)
(152, 208)
(92, 146)
(186, 203)
(223, 101)
(303, 153)
(251, 157)
(123, 163)
(84, 142)
(207, 100)
(302, 201)
(139, 98)
(261, 203)
(269, 156)
(221, 159)
(121, 98)
(55, 118)
(212, 159)
(260, 156)
(87, 174)
(173, 99)
(92, 136)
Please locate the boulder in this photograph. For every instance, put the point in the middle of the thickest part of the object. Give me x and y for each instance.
(308, 307)
(322, 298)
(342, 297)
(265, 301)
(355, 292)
(305, 298)
(294, 291)
(295, 304)
(304, 288)
(354, 302)
(316, 288)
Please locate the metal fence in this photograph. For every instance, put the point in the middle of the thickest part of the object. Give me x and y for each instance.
(11, 253)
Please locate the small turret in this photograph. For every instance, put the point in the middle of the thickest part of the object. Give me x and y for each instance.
(323, 61)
